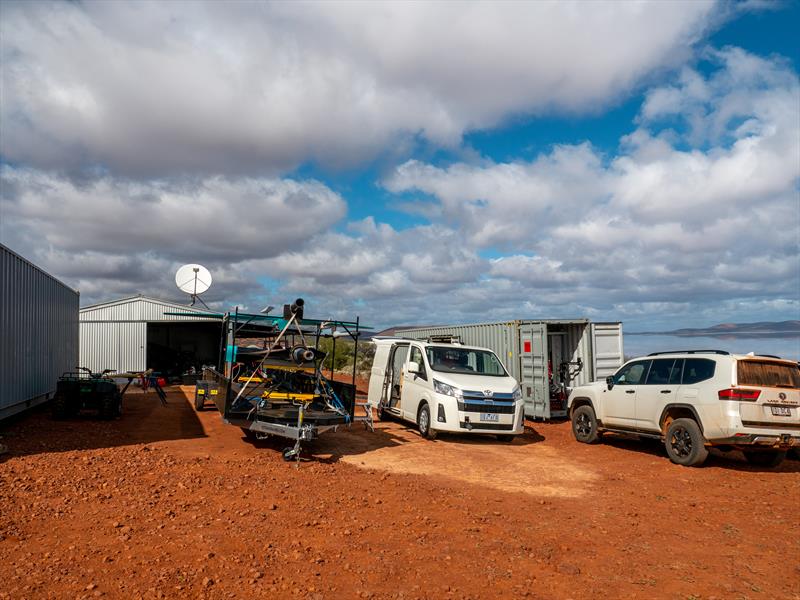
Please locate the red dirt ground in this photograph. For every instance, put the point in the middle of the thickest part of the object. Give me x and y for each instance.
(170, 503)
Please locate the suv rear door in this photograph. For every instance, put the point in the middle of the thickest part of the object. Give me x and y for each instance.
(778, 383)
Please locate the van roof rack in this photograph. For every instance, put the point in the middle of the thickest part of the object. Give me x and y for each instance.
(444, 339)
(690, 352)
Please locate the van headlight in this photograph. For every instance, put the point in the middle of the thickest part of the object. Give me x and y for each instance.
(447, 390)
(517, 393)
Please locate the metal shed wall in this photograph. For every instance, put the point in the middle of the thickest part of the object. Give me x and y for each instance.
(113, 335)
(39, 325)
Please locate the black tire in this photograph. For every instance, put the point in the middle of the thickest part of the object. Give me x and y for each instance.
(505, 437)
(764, 458)
(287, 454)
(199, 402)
(685, 443)
(584, 425)
(794, 454)
(59, 407)
(424, 422)
(109, 407)
(382, 416)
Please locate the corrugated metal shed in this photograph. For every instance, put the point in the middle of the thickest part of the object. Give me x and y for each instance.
(38, 332)
(113, 335)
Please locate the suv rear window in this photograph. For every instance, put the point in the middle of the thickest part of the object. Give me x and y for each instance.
(696, 370)
(768, 374)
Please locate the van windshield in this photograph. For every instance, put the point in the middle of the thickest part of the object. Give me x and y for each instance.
(768, 374)
(463, 360)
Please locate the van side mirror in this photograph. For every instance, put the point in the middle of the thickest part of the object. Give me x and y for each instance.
(413, 368)
(610, 382)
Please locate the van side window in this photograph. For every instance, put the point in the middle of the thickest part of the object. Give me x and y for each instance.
(416, 356)
(696, 370)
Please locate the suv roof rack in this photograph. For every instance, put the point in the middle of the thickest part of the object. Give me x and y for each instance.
(690, 352)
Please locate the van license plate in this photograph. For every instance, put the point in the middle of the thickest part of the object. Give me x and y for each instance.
(489, 417)
(781, 411)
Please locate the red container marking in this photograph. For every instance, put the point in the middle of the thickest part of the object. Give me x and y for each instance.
(526, 346)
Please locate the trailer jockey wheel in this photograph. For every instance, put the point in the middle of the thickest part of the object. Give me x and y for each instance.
(288, 454)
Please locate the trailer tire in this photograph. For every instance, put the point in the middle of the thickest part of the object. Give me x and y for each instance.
(424, 422)
(287, 454)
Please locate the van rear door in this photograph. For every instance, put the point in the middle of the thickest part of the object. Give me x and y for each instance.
(768, 392)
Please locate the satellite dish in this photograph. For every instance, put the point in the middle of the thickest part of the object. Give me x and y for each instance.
(194, 280)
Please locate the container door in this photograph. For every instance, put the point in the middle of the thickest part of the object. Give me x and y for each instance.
(533, 370)
(607, 344)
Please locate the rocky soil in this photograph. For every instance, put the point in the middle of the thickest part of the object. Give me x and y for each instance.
(170, 503)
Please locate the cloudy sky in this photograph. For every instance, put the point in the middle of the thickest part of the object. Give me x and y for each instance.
(412, 163)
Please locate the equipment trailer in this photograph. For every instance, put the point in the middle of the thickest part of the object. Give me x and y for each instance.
(274, 384)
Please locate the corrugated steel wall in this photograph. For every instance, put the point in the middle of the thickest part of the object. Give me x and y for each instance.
(117, 346)
(38, 332)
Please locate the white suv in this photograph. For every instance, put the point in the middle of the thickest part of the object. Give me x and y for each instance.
(696, 399)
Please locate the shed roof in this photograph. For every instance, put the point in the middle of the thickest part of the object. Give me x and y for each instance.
(141, 308)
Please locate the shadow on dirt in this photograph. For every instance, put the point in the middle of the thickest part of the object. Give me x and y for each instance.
(733, 460)
(144, 420)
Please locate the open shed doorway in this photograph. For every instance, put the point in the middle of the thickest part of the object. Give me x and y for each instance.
(174, 348)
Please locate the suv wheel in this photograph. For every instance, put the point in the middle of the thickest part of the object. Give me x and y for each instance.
(764, 458)
(685, 443)
(584, 425)
(424, 423)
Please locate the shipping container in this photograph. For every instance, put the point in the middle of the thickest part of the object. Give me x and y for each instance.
(38, 332)
(533, 351)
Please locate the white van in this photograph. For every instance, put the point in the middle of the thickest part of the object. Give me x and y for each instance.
(444, 386)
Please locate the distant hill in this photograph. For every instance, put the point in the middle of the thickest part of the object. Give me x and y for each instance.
(761, 329)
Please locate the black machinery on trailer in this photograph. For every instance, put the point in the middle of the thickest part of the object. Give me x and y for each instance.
(272, 384)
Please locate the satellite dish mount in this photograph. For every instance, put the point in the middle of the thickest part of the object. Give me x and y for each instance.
(194, 280)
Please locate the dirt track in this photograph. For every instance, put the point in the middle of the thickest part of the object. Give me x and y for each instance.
(171, 503)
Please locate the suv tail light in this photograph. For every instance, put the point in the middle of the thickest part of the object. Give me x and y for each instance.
(739, 394)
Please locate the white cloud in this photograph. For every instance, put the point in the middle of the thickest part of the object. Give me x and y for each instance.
(153, 88)
(658, 223)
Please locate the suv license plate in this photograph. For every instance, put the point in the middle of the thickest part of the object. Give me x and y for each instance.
(489, 417)
(781, 411)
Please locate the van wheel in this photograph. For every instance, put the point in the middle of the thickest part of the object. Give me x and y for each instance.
(794, 453)
(381, 414)
(424, 423)
(764, 458)
(685, 443)
(584, 424)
